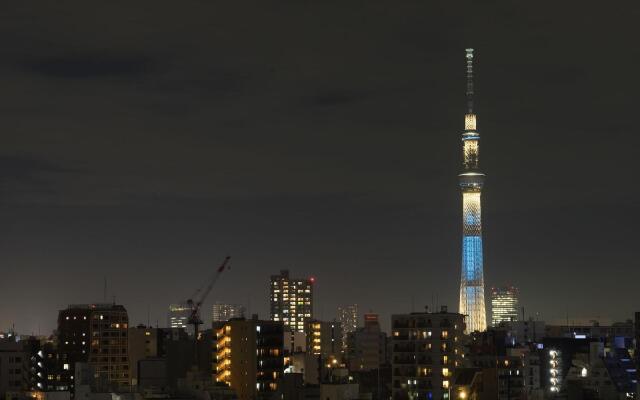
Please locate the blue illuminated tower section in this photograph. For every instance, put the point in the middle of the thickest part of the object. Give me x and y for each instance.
(471, 180)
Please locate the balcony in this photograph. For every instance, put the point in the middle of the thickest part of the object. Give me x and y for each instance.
(424, 361)
(404, 360)
(424, 324)
(404, 348)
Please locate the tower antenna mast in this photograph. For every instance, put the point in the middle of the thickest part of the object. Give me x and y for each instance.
(469, 80)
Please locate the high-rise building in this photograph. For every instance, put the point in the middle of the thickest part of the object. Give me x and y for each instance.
(348, 318)
(224, 312)
(178, 316)
(471, 182)
(367, 346)
(504, 305)
(427, 349)
(324, 338)
(249, 356)
(291, 300)
(95, 334)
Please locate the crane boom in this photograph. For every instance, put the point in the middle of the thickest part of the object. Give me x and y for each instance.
(219, 272)
(194, 317)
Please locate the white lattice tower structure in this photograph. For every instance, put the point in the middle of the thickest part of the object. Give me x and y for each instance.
(472, 301)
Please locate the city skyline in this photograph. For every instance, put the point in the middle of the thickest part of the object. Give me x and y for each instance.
(146, 156)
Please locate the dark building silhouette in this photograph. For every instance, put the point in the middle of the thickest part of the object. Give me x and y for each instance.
(96, 334)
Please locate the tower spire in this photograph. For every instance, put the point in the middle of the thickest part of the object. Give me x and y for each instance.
(469, 81)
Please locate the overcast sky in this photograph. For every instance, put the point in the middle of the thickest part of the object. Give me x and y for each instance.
(144, 141)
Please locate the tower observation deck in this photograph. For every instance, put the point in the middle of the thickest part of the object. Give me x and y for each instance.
(471, 181)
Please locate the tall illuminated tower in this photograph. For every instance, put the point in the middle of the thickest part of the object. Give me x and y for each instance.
(471, 180)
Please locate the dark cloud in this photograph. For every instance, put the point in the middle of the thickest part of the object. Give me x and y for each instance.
(91, 66)
(331, 99)
(29, 170)
(28, 179)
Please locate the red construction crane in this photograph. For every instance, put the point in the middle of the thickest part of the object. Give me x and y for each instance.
(194, 317)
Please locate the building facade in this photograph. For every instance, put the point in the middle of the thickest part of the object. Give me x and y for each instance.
(501, 363)
(347, 316)
(367, 346)
(324, 338)
(528, 331)
(42, 362)
(96, 334)
(249, 356)
(427, 349)
(143, 343)
(291, 301)
(223, 312)
(472, 302)
(178, 316)
(13, 368)
(504, 305)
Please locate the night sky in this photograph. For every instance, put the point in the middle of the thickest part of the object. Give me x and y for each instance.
(144, 141)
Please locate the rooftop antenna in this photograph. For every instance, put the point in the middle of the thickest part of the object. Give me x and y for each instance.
(105, 289)
(433, 303)
(469, 81)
